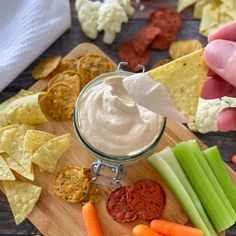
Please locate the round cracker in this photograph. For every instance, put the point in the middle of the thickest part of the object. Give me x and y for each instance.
(71, 184)
(69, 77)
(183, 47)
(59, 101)
(66, 64)
(46, 67)
(91, 66)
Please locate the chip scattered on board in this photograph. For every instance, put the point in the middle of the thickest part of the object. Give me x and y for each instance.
(59, 101)
(22, 93)
(198, 8)
(91, 66)
(11, 140)
(183, 78)
(45, 67)
(49, 153)
(25, 110)
(161, 62)
(33, 140)
(5, 172)
(183, 4)
(65, 64)
(69, 77)
(22, 198)
(14, 165)
(94, 194)
(71, 184)
(183, 47)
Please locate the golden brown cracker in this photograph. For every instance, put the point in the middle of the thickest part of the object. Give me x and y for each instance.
(71, 184)
(59, 101)
(46, 67)
(91, 66)
(69, 77)
(183, 47)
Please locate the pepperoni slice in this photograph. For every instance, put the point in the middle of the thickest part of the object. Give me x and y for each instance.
(168, 21)
(147, 199)
(127, 53)
(144, 37)
(118, 207)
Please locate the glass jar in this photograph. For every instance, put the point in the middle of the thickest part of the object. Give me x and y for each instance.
(114, 162)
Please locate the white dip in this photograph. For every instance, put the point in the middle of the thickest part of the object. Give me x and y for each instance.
(152, 95)
(114, 123)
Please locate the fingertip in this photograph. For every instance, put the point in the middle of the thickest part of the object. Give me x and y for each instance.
(226, 31)
(227, 120)
(215, 87)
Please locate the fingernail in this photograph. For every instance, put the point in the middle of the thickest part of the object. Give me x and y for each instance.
(218, 53)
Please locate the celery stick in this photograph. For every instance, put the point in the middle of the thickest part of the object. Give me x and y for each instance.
(168, 155)
(217, 165)
(216, 210)
(180, 192)
(195, 149)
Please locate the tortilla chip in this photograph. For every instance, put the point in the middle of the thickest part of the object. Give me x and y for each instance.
(4, 105)
(33, 140)
(198, 8)
(183, 47)
(183, 4)
(22, 198)
(14, 165)
(48, 154)
(25, 110)
(229, 8)
(183, 78)
(214, 16)
(46, 67)
(11, 140)
(5, 172)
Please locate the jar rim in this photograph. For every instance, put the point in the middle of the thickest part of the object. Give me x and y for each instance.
(102, 155)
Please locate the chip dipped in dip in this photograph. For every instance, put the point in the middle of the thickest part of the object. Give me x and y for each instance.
(114, 123)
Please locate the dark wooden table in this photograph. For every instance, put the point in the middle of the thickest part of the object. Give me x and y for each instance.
(225, 141)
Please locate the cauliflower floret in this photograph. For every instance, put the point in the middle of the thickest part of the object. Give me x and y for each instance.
(111, 17)
(208, 112)
(88, 16)
(127, 6)
(79, 3)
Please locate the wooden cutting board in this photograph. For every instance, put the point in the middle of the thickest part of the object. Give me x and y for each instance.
(55, 217)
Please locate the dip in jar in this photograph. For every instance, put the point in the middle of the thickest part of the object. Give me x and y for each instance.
(114, 123)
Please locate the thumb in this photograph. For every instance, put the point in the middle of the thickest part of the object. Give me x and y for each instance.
(220, 56)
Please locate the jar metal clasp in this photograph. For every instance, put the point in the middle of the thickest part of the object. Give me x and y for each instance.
(109, 181)
(123, 64)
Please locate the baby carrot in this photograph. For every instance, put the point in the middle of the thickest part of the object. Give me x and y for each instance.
(234, 159)
(173, 229)
(144, 230)
(91, 220)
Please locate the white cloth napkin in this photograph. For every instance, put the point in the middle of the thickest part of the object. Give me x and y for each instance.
(27, 28)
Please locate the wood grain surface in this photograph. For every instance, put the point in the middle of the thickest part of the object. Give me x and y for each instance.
(225, 141)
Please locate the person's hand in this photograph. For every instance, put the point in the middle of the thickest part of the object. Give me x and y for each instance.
(220, 56)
